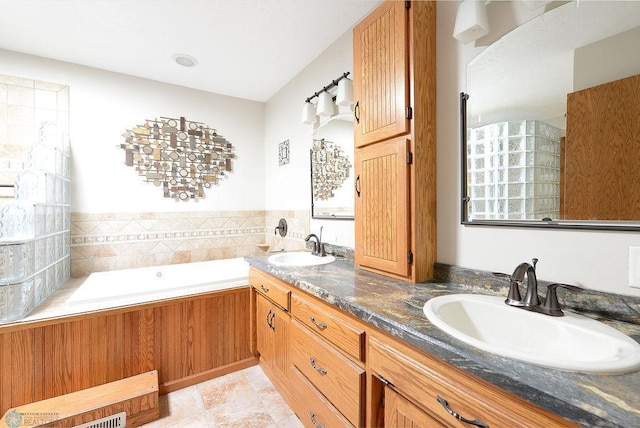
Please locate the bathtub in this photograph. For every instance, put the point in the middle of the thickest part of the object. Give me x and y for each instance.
(132, 286)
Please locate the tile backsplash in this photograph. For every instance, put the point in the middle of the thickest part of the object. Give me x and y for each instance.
(111, 241)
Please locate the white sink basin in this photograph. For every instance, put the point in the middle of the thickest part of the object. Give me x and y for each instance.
(572, 342)
(299, 258)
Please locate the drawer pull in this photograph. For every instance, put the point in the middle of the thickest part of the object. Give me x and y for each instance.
(313, 420)
(320, 325)
(319, 369)
(475, 422)
(265, 289)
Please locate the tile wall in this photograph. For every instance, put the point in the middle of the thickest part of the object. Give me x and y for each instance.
(111, 241)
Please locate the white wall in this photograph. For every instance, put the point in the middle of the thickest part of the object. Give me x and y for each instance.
(288, 187)
(593, 259)
(103, 104)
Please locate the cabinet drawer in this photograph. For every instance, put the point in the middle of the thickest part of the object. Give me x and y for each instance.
(334, 375)
(423, 379)
(336, 330)
(270, 287)
(311, 407)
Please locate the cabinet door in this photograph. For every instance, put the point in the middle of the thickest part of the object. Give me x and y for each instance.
(382, 206)
(400, 412)
(272, 331)
(280, 325)
(380, 71)
(264, 333)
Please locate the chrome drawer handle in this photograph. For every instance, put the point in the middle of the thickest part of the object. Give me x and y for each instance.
(313, 420)
(320, 325)
(475, 422)
(265, 289)
(319, 369)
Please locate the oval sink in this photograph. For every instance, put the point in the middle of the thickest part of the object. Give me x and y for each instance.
(572, 342)
(299, 258)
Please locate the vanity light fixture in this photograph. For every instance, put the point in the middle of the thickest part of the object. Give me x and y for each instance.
(326, 106)
(344, 97)
(309, 113)
(184, 60)
(471, 21)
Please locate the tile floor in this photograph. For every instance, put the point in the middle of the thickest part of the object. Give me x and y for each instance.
(244, 399)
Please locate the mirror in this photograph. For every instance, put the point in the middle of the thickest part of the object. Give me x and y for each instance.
(332, 169)
(549, 122)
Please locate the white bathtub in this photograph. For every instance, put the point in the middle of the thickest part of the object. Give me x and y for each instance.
(130, 286)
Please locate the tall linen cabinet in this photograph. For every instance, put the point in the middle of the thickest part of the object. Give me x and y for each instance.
(395, 140)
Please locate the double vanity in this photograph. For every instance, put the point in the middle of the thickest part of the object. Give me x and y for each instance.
(339, 341)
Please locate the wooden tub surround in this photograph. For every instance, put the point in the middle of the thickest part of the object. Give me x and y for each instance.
(187, 340)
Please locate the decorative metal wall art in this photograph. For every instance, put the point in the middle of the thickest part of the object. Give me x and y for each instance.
(329, 168)
(184, 157)
(283, 153)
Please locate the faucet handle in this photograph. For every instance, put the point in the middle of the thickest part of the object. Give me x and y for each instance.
(513, 298)
(551, 305)
(534, 262)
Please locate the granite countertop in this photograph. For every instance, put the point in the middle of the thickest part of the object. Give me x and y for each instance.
(396, 307)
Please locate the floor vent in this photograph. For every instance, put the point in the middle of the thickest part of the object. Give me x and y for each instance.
(118, 420)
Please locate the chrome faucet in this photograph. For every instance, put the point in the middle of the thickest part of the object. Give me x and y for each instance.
(317, 246)
(531, 300)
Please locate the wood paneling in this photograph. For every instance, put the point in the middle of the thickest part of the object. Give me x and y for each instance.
(382, 208)
(601, 178)
(187, 340)
(380, 68)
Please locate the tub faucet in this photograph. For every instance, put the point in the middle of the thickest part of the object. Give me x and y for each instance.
(317, 246)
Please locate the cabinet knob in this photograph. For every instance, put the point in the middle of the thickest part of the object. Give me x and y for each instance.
(475, 422)
(263, 288)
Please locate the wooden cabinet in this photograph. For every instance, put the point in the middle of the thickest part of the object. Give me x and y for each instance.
(380, 68)
(422, 386)
(272, 331)
(336, 370)
(272, 321)
(600, 177)
(394, 89)
(400, 412)
(382, 206)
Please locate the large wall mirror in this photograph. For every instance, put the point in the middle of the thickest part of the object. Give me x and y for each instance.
(550, 123)
(332, 169)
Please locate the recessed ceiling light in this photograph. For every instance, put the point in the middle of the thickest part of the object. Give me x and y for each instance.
(184, 59)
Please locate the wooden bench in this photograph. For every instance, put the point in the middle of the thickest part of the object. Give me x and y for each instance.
(135, 395)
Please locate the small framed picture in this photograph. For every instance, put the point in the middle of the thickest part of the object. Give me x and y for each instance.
(283, 153)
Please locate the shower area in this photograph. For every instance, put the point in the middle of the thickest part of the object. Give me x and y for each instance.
(35, 218)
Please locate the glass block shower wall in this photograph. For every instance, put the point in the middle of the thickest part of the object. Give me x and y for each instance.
(35, 213)
(514, 170)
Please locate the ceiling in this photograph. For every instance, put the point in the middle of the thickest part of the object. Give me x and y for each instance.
(244, 48)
